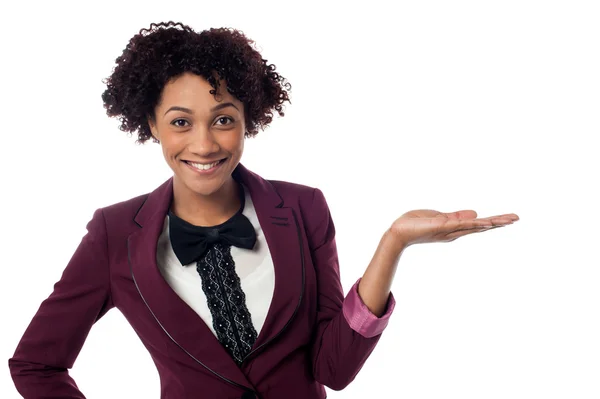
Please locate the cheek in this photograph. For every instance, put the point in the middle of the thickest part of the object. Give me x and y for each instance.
(233, 144)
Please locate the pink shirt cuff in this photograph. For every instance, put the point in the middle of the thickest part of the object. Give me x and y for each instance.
(360, 318)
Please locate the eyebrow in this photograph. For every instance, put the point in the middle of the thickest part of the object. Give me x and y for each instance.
(189, 111)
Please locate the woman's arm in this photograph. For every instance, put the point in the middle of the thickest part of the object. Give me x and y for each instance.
(349, 328)
(376, 284)
(55, 336)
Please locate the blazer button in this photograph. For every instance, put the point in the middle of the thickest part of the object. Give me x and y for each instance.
(248, 395)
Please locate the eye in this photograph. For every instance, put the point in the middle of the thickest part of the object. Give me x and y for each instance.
(225, 118)
(179, 120)
(222, 119)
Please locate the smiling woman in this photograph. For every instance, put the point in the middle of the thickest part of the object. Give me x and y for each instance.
(230, 280)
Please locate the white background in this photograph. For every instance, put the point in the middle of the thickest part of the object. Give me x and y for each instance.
(491, 106)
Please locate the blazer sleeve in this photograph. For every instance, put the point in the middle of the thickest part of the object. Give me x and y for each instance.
(56, 334)
(347, 331)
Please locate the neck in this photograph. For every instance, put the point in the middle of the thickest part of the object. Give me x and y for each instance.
(206, 210)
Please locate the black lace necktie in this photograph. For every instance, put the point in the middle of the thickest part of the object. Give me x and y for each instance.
(210, 247)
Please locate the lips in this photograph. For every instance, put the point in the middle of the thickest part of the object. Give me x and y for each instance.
(205, 163)
(205, 166)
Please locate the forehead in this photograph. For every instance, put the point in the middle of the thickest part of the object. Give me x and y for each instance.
(193, 90)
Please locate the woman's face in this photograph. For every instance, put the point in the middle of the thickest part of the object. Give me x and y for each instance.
(193, 127)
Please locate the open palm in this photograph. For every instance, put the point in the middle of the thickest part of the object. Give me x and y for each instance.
(426, 225)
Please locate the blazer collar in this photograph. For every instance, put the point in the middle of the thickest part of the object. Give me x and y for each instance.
(179, 321)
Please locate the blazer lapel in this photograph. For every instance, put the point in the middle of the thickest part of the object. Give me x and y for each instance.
(179, 321)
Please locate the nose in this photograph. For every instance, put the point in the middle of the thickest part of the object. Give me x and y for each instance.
(203, 143)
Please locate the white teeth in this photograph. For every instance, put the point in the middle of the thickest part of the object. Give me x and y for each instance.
(202, 166)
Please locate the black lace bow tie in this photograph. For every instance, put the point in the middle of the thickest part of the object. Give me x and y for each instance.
(191, 242)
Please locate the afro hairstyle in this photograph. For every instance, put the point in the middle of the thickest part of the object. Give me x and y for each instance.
(156, 55)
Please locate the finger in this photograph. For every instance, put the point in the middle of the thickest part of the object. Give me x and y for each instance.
(459, 233)
(509, 216)
(452, 226)
(500, 221)
(463, 214)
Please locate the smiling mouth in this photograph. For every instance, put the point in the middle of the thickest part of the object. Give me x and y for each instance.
(209, 166)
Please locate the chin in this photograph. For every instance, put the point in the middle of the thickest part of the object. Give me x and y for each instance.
(206, 188)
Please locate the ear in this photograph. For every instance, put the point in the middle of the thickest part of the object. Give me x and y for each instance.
(153, 129)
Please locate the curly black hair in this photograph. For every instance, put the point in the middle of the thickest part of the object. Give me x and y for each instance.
(156, 55)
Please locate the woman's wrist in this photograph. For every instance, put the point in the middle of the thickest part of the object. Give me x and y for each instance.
(393, 243)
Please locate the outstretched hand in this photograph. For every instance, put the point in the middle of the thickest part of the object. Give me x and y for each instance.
(426, 225)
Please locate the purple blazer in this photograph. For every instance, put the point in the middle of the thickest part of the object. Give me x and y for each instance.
(312, 336)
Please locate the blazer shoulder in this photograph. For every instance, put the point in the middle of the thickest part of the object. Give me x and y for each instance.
(295, 192)
(310, 201)
(128, 205)
(124, 210)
